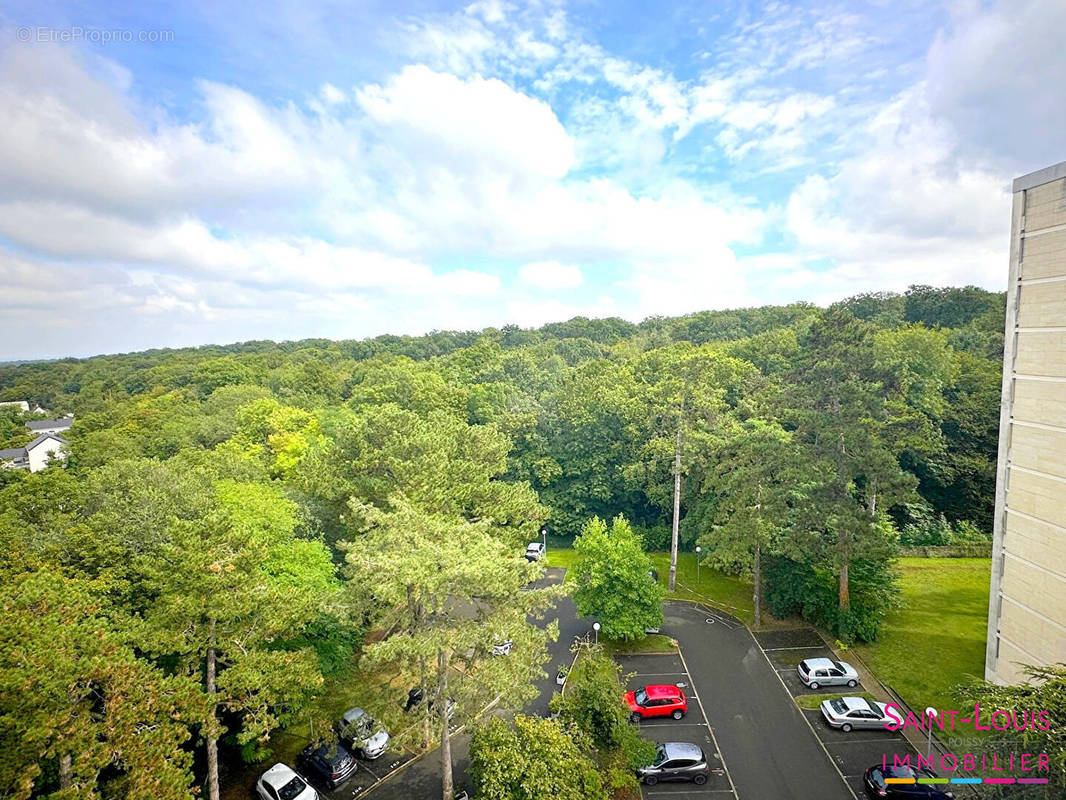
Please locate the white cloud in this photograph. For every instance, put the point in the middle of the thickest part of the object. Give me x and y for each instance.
(550, 275)
(906, 209)
(480, 122)
(997, 75)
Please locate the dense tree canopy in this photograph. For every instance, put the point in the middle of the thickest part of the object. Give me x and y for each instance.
(257, 506)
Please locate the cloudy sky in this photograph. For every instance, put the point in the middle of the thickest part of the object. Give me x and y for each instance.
(273, 170)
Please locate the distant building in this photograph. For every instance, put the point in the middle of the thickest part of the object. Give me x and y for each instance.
(22, 404)
(37, 455)
(50, 425)
(1027, 604)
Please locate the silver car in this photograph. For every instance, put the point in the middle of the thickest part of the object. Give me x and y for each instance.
(847, 713)
(362, 733)
(818, 672)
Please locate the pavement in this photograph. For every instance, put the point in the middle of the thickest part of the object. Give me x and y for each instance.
(760, 744)
(850, 753)
(766, 746)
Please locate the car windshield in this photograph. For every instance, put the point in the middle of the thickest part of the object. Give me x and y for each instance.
(840, 666)
(838, 706)
(292, 789)
(641, 697)
(660, 755)
(902, 772)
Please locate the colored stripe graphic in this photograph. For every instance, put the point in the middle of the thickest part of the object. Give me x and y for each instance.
(899, 780)
(965, 780)
(999, 780)
(1032, 780)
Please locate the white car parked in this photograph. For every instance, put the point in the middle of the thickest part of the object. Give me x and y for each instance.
(535, 551)
(281, 782)
(847, 713)
(818, 672)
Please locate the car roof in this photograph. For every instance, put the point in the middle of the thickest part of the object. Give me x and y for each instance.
(278, 775)
(857, 702)
(682, 750)
(826, 663)
(536, 545)
(901, 771)
(660, 690)
(329, 751)
(818, 663)
(353, 715)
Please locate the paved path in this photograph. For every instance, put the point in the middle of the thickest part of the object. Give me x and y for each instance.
(765, 743)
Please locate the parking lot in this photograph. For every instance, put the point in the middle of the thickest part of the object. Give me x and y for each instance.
(670, 668)
(368, 774)
(852, 752)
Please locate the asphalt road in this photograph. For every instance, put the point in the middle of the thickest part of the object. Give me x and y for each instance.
(743, 717)
(765, 743)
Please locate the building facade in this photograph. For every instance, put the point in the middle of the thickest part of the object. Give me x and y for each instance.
(1027, 604)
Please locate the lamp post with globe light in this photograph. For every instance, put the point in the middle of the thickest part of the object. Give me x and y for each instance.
(930, 714)
(698, 550)
(596, 632)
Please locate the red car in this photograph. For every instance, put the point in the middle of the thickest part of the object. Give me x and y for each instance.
(656, 701)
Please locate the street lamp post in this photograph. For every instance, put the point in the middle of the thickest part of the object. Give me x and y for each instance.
(596, 632)
(697, 565)
(930, 715)
(544, 538)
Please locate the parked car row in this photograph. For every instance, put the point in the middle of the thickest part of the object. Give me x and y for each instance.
(328, 763)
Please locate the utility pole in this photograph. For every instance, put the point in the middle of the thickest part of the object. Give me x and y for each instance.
(677, 500)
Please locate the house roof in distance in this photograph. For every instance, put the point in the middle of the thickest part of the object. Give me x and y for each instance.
(42, 438)
(45, 424)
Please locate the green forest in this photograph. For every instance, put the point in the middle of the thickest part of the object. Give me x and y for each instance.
(236, 524)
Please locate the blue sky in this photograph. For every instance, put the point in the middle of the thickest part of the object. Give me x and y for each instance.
(285, 170)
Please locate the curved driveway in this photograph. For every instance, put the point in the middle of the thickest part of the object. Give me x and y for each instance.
(764, 740)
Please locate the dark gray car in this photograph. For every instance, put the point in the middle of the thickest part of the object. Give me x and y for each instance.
(676, 761)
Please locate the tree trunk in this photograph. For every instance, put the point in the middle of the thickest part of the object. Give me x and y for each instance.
(757, 569)
(445, 733)
(66, 770)
(845, 593)
(211, 734)
(677, 502)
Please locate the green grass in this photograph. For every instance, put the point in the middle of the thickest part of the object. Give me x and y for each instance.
(731, 594)
(652, 643)
(814, 701)
(937, 638)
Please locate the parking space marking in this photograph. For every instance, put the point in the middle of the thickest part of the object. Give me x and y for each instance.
(801, 647)
(714, 739)
(858, 741)
(696, 792)
(817, 738)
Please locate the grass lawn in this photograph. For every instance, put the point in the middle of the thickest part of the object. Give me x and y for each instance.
(936, 639)
(729, 593)
(652, 643)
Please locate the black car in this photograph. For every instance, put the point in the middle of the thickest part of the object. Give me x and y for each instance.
(331, 763)
(416, 695)
(873, 780)
(676, 761)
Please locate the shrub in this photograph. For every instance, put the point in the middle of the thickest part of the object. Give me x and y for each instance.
(812, 592)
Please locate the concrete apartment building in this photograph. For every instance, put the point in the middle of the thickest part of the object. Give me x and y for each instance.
(1027, 606)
